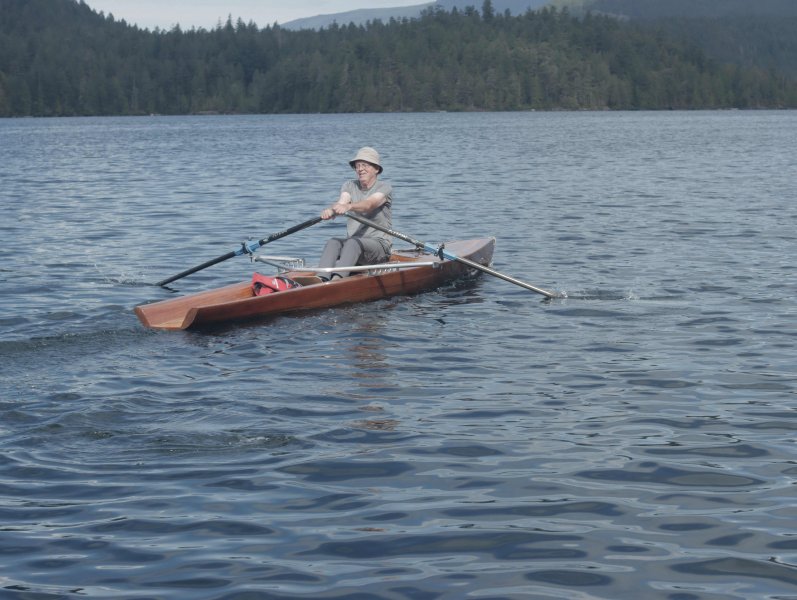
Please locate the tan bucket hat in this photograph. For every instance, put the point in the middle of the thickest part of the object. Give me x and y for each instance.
(369, 155)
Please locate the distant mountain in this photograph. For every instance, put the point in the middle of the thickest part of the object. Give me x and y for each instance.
(633, 9)
(358, 17)
(515, 7)
(363, 16)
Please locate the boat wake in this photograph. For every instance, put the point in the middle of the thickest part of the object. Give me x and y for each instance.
(600, 295)
(128, 279)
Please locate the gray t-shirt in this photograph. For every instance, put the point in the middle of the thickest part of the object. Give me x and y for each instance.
(381, 216)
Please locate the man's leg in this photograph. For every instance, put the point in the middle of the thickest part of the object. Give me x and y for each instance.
(360, 251)
(331, 252)
(350, 255)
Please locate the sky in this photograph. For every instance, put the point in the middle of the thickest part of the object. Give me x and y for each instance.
(207, 13)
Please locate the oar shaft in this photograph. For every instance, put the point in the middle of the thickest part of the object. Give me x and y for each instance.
(450, 256)
(204, 265)
(245, 247)
(290, 230)
(500, 275)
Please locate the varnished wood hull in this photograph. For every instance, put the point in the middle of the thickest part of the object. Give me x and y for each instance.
(237, 302)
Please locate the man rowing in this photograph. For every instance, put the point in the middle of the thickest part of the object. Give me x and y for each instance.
(367, 196)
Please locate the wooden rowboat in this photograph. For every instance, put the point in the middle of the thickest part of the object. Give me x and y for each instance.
(399, 276)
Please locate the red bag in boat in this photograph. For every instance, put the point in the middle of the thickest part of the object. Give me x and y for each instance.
(263, 284)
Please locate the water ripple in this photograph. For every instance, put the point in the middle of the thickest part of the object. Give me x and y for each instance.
(631, 440)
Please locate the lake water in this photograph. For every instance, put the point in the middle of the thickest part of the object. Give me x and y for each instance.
(633, 440)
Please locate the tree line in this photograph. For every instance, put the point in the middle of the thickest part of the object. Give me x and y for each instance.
(58, 58)
(711, 9)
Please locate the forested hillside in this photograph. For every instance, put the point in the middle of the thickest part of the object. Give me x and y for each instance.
(690, 9)
(758, 33)
(58, 57)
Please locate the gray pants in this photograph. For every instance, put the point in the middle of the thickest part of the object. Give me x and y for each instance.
(348, 252)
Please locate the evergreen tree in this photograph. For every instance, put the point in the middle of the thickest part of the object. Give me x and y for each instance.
(58, 57)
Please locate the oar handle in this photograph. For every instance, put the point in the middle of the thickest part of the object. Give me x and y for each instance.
(448, 255)
(245, 248)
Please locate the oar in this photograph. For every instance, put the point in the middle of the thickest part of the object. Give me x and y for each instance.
(246, 248)
(443, 253)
